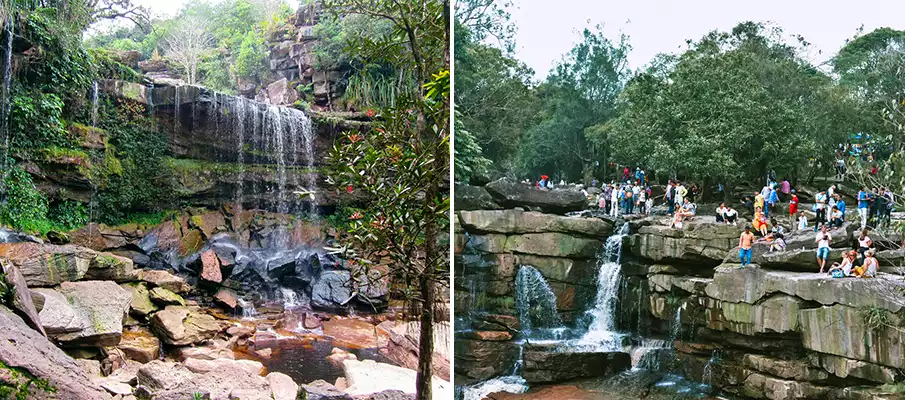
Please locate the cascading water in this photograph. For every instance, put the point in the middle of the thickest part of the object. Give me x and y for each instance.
(602, 330)
(94, 103)
(5, 105)
(534, 301)
(509, 384)
(676, 328)
(647, 355)
(248, 309)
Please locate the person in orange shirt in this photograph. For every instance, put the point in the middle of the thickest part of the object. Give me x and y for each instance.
(744, 246)
(760, 221)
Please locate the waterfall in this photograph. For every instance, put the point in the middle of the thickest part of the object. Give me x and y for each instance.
(176, 105)
(535, 301)
(676, 328)
(707, 375)
(94, 103)
(602, 331)
(5, 105)
(242, 108)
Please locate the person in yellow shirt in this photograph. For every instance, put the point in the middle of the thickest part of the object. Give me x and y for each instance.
(758, 201)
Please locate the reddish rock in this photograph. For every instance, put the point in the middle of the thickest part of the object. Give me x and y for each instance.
(165, 280)
(497, 322)
(140, 345)
(355, 333)
(312, 321)
(227, 299)
(210, 267)
(490, 336)
(553, 392)
(337, 356)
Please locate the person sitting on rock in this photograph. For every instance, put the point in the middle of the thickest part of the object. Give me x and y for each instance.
(760, 221)
(777, 241)
(869, 268)
(730, 216)
(720, 213)
(836, 217)
(688, 209)
(845, 267)
(677, 220)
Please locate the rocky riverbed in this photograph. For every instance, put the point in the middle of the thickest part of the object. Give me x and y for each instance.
(210, 304)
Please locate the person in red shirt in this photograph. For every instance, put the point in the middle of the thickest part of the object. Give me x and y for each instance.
(793, 207)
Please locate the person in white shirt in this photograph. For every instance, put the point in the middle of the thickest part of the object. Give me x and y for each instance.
(730, 216)
(823, 241)
(802, 221)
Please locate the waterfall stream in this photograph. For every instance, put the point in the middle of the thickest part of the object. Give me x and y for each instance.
(602, 332)
(5, 105)
(535, 301)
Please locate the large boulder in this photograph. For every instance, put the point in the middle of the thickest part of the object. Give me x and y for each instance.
(776, 314)
(702, 242)
(47, 264)
(473, 198)
(22, 301)
(101, 305)
(403, 348)
(331, 290)
(517, 221)
(282, 387)
(841, 330)
(110, 267)
(165, 280)
(322, 390)
(514, 194)
(57, 315)
(548, 365)
(180, 326)
(140, 344)
(479, 360)
(141, 305)
(24, 350)
(210, 267)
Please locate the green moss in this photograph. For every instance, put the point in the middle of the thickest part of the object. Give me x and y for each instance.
(22, 385)
(60, 153)
(104, 261)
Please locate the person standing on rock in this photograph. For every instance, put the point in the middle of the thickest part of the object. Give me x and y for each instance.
(823, 240)
(670, 192)
(615, 195)
(759, 202)
(840, 204)
(864, 243)
(863, 206)
(745, 241)
(785, 188)
(820, 208)
(680, 194)
(793, 207)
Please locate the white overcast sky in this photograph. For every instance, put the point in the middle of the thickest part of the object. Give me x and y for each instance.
(548, 29)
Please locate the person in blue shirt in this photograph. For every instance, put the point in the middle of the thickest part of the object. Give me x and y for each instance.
(840, 204)
(863, 206)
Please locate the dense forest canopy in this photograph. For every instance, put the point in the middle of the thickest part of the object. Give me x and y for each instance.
(729, 108)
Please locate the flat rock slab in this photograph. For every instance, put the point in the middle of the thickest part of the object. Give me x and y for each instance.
(57, 315)
(47, 264)
(543, 365)
(355, 333)
(517, 221)
(366, 377)
(102, 305)
(748, 285)
(552, 392)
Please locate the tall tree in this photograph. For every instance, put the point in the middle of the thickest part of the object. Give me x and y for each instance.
(403, 164)
(732, 107)
(580, 92)
(187, 44)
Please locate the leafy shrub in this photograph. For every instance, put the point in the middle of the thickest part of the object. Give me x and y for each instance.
(68, 214)
(36, 122)
(26, 207)
(108, 67)
(252, 56)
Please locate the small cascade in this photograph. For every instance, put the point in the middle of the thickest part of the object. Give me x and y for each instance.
(647, 356)
(94, 103)
(291, 299)
(707, 376)
(509, 384)
(176, 106)
(248, 309)
(602, 330)
(242, 107)
(676, 328)
(535, 301)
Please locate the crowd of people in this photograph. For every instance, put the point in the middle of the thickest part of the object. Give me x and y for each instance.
(633, 195)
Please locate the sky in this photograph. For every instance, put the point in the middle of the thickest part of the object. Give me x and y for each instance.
(548, 29)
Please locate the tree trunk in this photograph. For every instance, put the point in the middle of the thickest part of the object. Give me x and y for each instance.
(426, 347)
